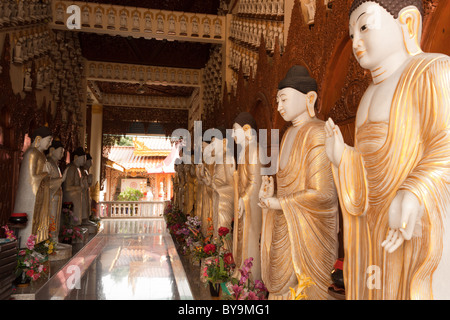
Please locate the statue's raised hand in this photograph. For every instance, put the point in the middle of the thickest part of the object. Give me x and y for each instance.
(264, 191)
(266, 195)
(334, 142)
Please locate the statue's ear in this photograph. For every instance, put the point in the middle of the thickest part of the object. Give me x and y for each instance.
(410, 20)
(247, 131)
(311, 99)
(37, 141)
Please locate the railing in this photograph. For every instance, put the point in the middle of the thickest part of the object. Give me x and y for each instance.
(132, 209)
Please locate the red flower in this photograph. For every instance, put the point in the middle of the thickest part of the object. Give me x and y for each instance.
(228, 258)
(209, 248)
(223, 231)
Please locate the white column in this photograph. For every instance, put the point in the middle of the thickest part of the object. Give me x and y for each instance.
(96, 141)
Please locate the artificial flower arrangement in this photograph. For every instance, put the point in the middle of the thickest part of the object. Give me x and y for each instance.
(69, 229)
(204, 249)
(175, 220)
(245, 288)
(9, 233)
(220, 265)
(30, 262)
(190, 231)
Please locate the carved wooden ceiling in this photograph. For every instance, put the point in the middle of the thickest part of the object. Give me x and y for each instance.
(144, 52)
(157, 53)
(107, 87)
(195, 6)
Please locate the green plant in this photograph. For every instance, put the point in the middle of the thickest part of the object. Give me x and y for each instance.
(130, 194)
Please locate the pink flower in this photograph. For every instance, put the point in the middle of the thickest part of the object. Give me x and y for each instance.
(31, 242)
(237, 289)
(22, 252)
(252, 296)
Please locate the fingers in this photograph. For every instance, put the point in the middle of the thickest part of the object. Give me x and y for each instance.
(394, 241)
(329, 126)
(388, 238)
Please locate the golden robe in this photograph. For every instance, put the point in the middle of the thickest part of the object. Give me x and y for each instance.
(33, 195)
(56, 195)
(190, 190)
(199, 194)
(223, 199)
(247, 228)
(207, 201)
(72, 191)
(411, 152)
(302, 237)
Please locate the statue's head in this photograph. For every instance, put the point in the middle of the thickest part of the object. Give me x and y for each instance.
(219, 142)
(297, 94)
(244, 128)
(88, 163)
(79, 157)
(381, 29)
(42, 138)
(56, 149)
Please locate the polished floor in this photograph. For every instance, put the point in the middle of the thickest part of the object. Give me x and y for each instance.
(132, 259)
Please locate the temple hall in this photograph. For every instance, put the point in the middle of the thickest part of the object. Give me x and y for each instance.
(200, 150)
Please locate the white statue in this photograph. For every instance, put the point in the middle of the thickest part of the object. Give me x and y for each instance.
(33, 192)
(300, 221)
(247, 179)
(183, 26)
(18, 51)
(148, 23)
(136, 22)
(223, 187)
(73, 185)
(55, 154)
(393, 184)
(27, 84)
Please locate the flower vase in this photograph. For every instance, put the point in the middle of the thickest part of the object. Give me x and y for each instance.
(22, 281)
(67, 241)
(214, 289)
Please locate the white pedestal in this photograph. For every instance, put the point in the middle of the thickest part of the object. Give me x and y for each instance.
(63, 251)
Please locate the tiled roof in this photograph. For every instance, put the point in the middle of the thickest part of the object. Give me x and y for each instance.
(138, 159)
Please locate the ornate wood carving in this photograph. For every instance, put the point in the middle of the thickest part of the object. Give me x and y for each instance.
(324, 48)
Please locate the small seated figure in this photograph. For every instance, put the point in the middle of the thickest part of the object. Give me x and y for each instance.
(247, 179)
(33, 192)
(73, 185)
(300, 221)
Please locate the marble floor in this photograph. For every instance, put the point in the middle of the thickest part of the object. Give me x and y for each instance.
(129, 259)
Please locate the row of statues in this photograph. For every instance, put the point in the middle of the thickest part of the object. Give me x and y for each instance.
(391, 186)
(42, 187)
